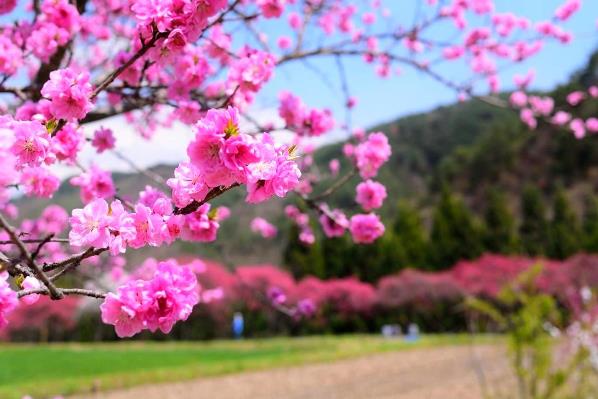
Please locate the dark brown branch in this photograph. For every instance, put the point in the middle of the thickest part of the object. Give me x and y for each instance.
(26, 256)
(193, 206)
(65, 291)
(74, 259)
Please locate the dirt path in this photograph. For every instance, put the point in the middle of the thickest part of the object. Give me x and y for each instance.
(438, 373)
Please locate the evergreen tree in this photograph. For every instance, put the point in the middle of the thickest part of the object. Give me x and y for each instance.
(455, 233)
(533, 229)
(590, 225)
(302, 259)
(338, 256)
(410, 237)
(565, 236)
(500, 231)
(378, 259)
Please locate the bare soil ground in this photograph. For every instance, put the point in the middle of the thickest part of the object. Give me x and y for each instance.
(434, 373)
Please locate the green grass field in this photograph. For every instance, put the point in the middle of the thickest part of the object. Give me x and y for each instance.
(46, 370)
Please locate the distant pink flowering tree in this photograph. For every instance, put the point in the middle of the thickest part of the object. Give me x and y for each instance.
(203, 63)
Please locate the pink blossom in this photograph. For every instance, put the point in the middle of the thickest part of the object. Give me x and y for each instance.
(295, 20)
(53, 220)
(67, 143)
(156, 304)
(284, 42)
(372, 154)
(187, 185)
(95, 183)
(541, 105)
(518, 99)
(39, 182)
(31, 145)
(275, 174)
(30, 283)
(69, 93)
(271, 8)
(560, 118)
(263, 227)
(7, 6)
(45, 40)
(148, 227)
(335, 166)
(334, 223)
(252, 70)
(527, 117)
(565, 11)
(103, 140)
(575, 98)
(366, 228)
(370, 195)
(89, 226)
(578, 128)
(121, 227)
(592, 125)
(10, 56)
(201, 225)
(8, 299)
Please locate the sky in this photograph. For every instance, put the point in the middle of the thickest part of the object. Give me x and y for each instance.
(379, 100)
(412, 92)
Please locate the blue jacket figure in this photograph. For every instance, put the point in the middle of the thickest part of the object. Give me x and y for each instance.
(238, 325)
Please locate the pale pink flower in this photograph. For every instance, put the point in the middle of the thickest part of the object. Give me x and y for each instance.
(39, 182)
(89, 226)
(30, 283)
(95, 183)
(263, 227)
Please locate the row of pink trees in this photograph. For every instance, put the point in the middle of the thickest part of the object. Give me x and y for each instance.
(203, 63)
(273, 302)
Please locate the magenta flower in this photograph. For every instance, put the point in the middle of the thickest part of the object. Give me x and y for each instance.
(103, 140)
(68, 92)
(371, 154)
(366, 228)
(370, 195)
(169, 296)
(8, 299)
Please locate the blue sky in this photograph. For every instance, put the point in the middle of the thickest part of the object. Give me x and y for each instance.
(412, 92)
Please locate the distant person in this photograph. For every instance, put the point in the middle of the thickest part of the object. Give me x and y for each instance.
(412, 333)
(238, 325)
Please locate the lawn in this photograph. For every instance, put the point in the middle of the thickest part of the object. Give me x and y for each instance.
(45, 370)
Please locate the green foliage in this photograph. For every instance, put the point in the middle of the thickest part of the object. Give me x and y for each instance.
(528, 317)
(302, 259)
(533, 229)
(564, 231)
(500, 230)
(410, 241)
(590, 224)
(455, 232)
